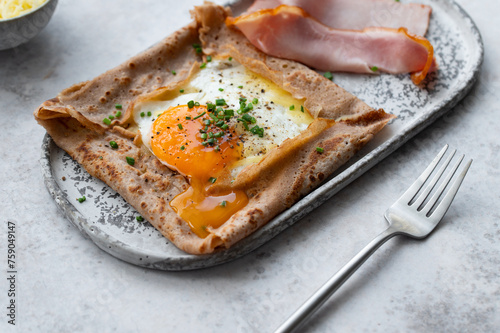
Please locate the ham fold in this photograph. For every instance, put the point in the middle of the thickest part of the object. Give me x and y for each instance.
(359, 14)
(289, 32)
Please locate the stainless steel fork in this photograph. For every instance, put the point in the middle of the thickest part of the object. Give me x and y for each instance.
(416, 213)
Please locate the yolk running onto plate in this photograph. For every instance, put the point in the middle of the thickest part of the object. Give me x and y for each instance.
(201, 148)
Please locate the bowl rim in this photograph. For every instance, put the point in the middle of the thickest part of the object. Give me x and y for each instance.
(27, 13)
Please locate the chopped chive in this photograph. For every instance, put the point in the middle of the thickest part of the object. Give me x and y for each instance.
(219, 123)
(180, 126)
(106, 121)
(200, 115)
(174, 73)
(320, 150)
(219, 134)
(209, 58)
(211, 141)
(244, 123)
(220, 102)
(113, 144)
(214, 117)
(241, 87)
(374, 68)
(292, 107)
(207, 122)
(328, 75)
(182, 147)
(212, 180)
(302, 108)
(230, 58)
(229, 112)
(197, 48)
(220, 89)
(188, 118)
(217, 148)
(204, 143)
(203, 65)
(82, 199)
(225, 126)
(149, 113)
(139, 218)
(100, 157)
(196, 103)
(257, 131)
(111, 117)
(255, 101)
(248, 118)
(204, 136)
(130, 160)
(118, 106)
(142, 114)
(223, 203)
(181, 91)
(190, 104)
(118, 114)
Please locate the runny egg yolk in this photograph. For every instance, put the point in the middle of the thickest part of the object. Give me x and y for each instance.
(187, 140)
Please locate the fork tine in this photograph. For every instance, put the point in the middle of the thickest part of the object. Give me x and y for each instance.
(421, 198)
(432, 201)
(443, 206)
(412, 191)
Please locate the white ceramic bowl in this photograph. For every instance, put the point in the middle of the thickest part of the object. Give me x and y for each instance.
(20, 29)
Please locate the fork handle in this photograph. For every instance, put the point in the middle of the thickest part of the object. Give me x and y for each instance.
(323, 293)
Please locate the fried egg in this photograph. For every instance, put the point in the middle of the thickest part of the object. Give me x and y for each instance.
(210, 128)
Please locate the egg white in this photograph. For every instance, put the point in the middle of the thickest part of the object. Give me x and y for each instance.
(231, 81)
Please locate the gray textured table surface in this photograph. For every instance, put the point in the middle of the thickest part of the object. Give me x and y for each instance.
(448, 282)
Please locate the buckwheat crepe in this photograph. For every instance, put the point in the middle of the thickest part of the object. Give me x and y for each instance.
(74, 119)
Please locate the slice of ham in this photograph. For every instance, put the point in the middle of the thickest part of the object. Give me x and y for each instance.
(289, 32)
(359, 14)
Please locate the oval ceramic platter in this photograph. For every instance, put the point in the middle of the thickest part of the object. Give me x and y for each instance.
(111, 223)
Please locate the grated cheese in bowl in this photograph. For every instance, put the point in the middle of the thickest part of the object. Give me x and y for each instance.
(13, 8)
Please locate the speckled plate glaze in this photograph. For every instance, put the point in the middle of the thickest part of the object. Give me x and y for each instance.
(110, 222)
